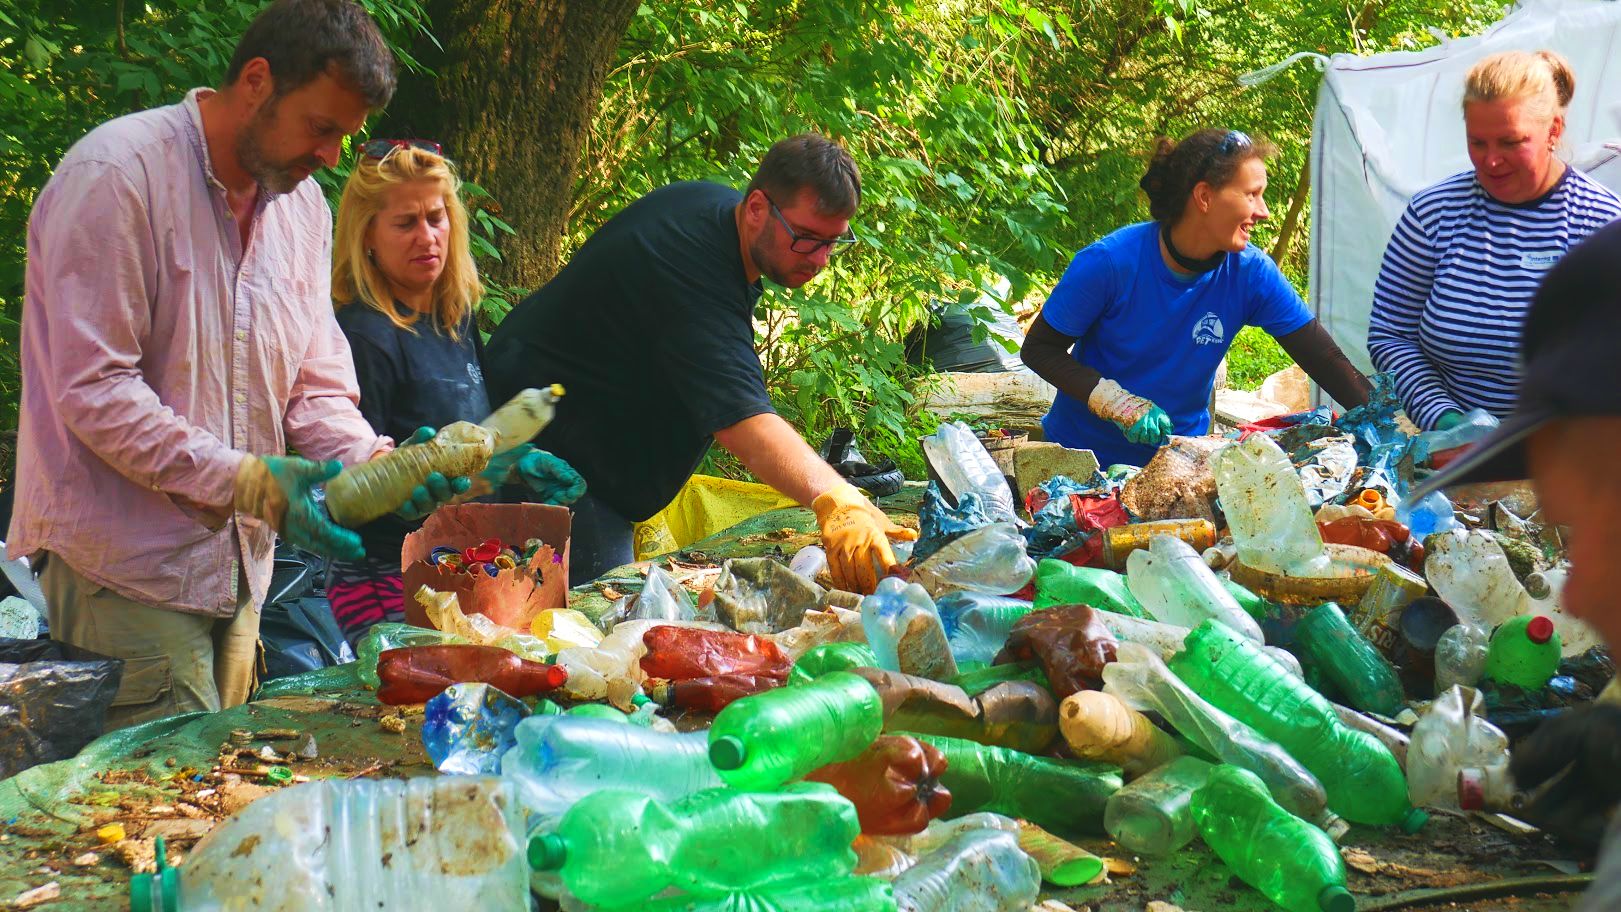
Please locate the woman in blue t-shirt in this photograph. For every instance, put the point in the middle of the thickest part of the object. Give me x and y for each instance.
(1134, 331)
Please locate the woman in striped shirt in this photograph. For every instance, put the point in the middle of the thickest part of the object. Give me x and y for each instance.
(1460, 269)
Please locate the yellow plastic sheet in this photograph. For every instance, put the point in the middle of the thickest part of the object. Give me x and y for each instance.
(704, 506)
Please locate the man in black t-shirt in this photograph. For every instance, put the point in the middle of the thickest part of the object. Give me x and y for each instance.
(650, 328)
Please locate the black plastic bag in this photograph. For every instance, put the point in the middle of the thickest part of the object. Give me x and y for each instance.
(297, 628)
(53, 701)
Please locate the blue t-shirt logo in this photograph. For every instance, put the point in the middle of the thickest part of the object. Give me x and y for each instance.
(1209, 331)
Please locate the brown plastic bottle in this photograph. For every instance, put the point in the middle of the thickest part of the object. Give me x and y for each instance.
(1069, 641)
(894, 784)
(417, 674)
(710, 694)
(1021, 715)
(680, 653)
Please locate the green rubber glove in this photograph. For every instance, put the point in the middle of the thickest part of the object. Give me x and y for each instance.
(1152, 429)
(434, 491)
(277, 489)
(549, 479)
(1449, 419)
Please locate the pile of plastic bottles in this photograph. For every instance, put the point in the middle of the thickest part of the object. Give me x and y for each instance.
(935, 745)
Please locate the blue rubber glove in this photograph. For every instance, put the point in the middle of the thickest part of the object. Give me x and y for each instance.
(1449, 419)
(549, 479)
(434, 491)
(1153, 428)
(277, 489)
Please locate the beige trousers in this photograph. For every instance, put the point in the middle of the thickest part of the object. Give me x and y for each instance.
(173, 662)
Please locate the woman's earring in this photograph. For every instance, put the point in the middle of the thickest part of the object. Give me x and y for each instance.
(371, 254)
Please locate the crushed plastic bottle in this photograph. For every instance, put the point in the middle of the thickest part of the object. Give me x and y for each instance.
(760, 595)
(991, 559)
(1546, 588)
(1061, 583)
(809, 562)
(467, 728)
(1153, 815)
(680, 653)
(1266, 508)
(451, 842)
(894, 785)
(975, 871)
(1345, 657)
(963, 465)
(847, 894)
(977, 625)
(1052, 794)
(1098, 726)
(1471, 573)
(1451, 735)
(368, 490)
(1176, 587)
(417, 674)
(1120, 541)
(612, 669)
(763, 741)
(1142, 681)
(1428, 516)
(1021, 715)
(1524, 652)
(1362, 779)
(662, 599)
(1165, 639)
(711, 694)
(560, 759)
(819, 660)
(905, 630)
(1069, 642)
(1290, 861)
(445, 612)
(1460, 657)
(799, 833)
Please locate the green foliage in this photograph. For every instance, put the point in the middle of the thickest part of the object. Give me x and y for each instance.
(1254, 357)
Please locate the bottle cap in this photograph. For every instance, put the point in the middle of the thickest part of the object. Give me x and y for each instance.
(1335, 898)
(547, 852)
(727, 752)
(1539, 629)
(557, 389)
(159, 891)
(1471, 789)
(1414, 821)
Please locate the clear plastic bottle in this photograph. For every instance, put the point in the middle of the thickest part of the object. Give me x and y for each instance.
(1266, 508)
(1141, 680)
(975, 871)
(1426, 517)
(1362, 779)
(1471, 573)
(617, 847)
(1174, 585)
(1360, 671)
(1524, 652)
(1290, 861)
(762, 741)
(1476, 423)
(964, 465)
(1451, 735)
(1062, 583)
(523, 416)
(977, 625)
(990, 559)
(809, 562)
(1098, 726)
(452, 842)
(1153, 815)
(905, 631)
(1164, 639)
(1460, 657)
(560, 759)
(368, 490)
(1052, 794)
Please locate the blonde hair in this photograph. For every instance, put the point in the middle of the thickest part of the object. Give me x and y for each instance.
(1542, 79)
(356, 277)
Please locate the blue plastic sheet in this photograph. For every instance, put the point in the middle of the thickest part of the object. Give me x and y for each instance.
(469, 726)
(1385, 455)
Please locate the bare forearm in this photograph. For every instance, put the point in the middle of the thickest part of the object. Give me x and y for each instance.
(1047, 352)
(1321, 358)
(770, 448)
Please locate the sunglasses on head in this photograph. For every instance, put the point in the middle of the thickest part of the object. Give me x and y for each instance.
(381, 148)
(1234, 141)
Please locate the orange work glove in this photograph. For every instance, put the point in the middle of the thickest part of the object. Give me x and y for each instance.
(855, 535)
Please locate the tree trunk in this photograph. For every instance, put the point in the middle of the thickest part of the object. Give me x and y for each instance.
(1297, 204)
(512, 97)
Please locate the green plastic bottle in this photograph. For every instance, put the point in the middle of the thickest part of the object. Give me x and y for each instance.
(764, 740)
(1344, 656)
(1060, 583)
(1255, 606)
(1065, 797)
(982, 679)
(598, 711)
(847, 894)
(1524, 652)
(826, 657)
(1295, 864)
(617, 847)
(1362, 779)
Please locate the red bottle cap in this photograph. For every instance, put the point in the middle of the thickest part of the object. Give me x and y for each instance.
(1540, 629)
(1471, 790)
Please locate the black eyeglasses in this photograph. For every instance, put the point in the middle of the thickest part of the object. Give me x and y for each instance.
(381, 148)
(805, 244)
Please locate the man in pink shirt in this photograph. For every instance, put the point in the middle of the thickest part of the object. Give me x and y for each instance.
(177, 322)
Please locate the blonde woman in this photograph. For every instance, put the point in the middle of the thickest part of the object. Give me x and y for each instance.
(405, 289)
(1468, 253)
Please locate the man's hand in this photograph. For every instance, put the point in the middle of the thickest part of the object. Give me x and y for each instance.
(1138, 418)
(435, 490)
(549, 479)
(856, 534)
(277, 490)
(1569, 766)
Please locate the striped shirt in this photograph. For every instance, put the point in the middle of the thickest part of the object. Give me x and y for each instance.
(1457, 279)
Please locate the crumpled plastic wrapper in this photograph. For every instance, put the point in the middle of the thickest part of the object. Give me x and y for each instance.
(761, 595)
(833, 625)
(939, 523)
(1177, 483)
(1326, 466)
(468, 727)
(445, 613)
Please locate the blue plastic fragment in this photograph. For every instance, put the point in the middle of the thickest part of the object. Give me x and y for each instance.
(468, 727)
(939, 523)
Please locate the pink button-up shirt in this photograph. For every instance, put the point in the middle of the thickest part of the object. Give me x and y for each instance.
(156, 351)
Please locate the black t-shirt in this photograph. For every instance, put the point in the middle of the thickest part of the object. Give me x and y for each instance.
(408, 380)
(650, 330)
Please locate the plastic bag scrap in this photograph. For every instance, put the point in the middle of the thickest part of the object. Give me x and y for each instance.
(762, 595)
(1177, 483)
(662, 598)
(1385, 453)
(1067, 517)
(53, 700)
(467, 728)
(1321, 415)
(445, 612)
(939, 523)
(963, 464)
(1325, 466)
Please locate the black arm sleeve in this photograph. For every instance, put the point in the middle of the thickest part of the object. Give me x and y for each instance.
(1320, 357)
(1047, 352)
